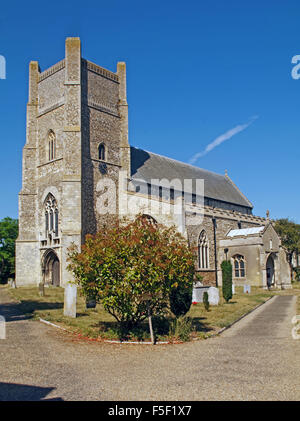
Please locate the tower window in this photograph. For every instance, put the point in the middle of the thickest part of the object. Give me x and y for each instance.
(101, 152)
(51, 215)
(51, 145)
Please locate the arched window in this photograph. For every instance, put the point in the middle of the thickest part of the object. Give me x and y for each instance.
(203, 251)
(101, 152)
(51, 145)
(150, 219)
(51, 215)
(239, 266)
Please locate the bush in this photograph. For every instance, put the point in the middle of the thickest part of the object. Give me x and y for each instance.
(181, 300)
(181, 328)
(227, 280)
(132, 267)
(205, 300)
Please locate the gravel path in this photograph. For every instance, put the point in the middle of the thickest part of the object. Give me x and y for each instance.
(256, 359)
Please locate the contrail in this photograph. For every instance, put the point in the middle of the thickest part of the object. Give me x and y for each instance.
(221, 139)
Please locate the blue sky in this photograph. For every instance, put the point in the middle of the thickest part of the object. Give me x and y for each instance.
(195, 70)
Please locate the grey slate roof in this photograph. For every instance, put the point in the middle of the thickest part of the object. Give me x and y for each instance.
(147, 165)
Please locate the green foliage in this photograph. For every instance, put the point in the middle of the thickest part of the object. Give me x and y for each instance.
(132, 268)
(297, 273)
(8, 235)
(181, 299)
(289, 232)
(227, 280)
(181, 328)
(205, 300)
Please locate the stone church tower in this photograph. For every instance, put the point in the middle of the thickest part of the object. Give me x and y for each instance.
(77, 130)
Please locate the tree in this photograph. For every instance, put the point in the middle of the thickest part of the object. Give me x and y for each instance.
(226, 267)
(132, 268)
(289, 232)
(8, 235)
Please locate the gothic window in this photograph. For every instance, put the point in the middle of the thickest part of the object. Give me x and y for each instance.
(51, 215)
(149, 218)
(51, 145)
(239, 266)
(101, 152)
(203, 251)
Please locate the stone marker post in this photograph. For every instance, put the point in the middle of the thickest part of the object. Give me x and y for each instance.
(70, 300)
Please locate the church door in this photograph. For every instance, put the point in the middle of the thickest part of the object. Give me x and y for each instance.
(55, 273)
(51, 269)
(270, 272)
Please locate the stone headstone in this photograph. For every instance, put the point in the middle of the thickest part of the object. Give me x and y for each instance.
(12, 282)
(233, 289)
(198, 294)
(70, 300)
(213, 296)
(196, 298)
(247, 289)
(2, 328)
(41, 289)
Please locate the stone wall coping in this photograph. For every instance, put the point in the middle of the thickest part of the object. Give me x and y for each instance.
(101, 71)
(53, 69)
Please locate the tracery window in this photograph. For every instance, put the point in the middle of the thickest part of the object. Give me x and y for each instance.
(51, 215)
(101, 151)
(203, 251)
(51, 145)
(239, 266)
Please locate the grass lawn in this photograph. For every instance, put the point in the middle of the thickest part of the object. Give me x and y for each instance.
(96, 323)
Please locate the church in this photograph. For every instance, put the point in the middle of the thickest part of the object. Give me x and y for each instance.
(79, 172)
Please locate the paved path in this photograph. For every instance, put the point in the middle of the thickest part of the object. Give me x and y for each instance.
(256, 359)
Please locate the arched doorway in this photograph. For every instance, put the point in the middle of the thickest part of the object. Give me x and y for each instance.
(270, 267)
(51, 268)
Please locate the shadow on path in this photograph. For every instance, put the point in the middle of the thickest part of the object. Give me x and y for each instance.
(14, 311)
(24, 392)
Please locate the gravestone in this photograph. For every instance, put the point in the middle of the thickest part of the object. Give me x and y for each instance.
(213, 296)
(233, 289)
(12, 282)
(2, 328)
(247, 289)
(198, 292)
(41, 289)
(70, 300)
